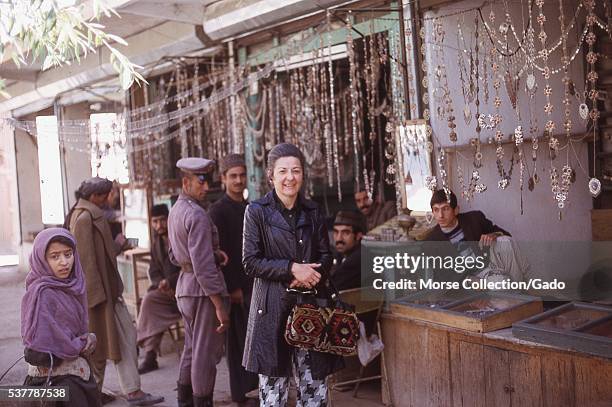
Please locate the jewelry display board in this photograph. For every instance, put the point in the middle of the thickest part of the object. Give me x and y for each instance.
(481, 312)
(578, 326)
(135, 203)
(414, 151)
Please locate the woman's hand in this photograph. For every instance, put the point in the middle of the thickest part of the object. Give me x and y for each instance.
(305, 274)
(90, 345)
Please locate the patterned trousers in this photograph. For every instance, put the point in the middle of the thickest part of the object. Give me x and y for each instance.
(274, 391)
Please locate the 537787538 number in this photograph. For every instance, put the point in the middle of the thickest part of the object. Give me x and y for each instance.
(28, 393)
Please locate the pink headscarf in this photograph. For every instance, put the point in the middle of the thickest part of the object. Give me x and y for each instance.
(54, 310)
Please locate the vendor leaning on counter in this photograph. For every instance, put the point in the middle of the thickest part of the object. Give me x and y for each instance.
(461, 229)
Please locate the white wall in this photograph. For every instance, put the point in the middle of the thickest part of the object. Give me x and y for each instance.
(78, 162)
(28, 182)
(9, 216)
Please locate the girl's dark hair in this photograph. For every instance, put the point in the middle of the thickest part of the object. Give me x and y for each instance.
(63, 240)
(283, 150)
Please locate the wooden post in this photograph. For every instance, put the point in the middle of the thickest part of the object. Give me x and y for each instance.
(255, 170)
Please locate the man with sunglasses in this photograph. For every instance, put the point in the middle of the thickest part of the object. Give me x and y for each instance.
(201, 289)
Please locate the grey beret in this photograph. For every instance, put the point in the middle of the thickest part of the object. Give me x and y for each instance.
(196, 165)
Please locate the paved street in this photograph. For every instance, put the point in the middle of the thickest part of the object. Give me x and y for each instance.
(162, 381)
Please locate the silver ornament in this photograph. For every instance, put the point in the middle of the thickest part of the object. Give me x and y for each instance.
(531, 81)
(594, 187)
(583, 110)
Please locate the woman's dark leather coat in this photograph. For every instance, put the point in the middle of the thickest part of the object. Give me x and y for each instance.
(269, 246)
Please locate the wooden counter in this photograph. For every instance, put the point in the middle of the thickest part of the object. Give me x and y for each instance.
(433, 365)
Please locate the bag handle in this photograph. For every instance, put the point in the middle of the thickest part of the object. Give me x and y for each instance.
(295, 290)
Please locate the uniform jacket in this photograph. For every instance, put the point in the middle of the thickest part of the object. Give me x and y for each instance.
(190, 233)
(98, 252)
(270, 246)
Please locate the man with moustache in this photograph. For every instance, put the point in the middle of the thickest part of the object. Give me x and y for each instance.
(228, 214)
(158, 310)
(200, 290)
(349, 227)
(375, 212)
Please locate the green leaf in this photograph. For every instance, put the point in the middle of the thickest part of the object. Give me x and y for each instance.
(117, 39)
(48, 63)
(126, 78)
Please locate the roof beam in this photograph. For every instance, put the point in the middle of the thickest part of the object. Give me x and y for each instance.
(23, 75)
(183, 12)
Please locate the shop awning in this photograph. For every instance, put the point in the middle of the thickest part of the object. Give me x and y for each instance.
(228, 18)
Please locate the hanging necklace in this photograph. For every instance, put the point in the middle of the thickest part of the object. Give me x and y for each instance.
(464, 76)
(504, 175)
(477, 152)
(594, 183)
(533, 132)
(332, 99)
(549, 127)
(353, 79)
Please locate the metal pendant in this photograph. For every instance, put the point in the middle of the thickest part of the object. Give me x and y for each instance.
(583, 109)
(531, 184)
(467, 114)
(429, 217)
(503, 183)
(431, 182)
(594, 187)
(480, 188)
(531, 81)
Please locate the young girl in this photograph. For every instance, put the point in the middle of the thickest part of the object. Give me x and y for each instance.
(54, 320)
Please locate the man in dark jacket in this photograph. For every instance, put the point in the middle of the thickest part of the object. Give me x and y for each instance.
(349, 227)
(228, 214)
(159, 310)
(471, 234)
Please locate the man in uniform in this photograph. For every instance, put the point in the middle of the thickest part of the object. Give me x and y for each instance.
(200, 289)
(228, 215)
(375, 212)
(159, 310)
(109, 318)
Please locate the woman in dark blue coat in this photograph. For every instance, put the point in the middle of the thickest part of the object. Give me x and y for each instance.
(285, 245)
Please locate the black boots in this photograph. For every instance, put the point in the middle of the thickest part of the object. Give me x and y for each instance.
(149, 364)
(185, 395)
(203, 401)
(187, 399)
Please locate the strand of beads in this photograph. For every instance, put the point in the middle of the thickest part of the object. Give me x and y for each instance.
(593, 94)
